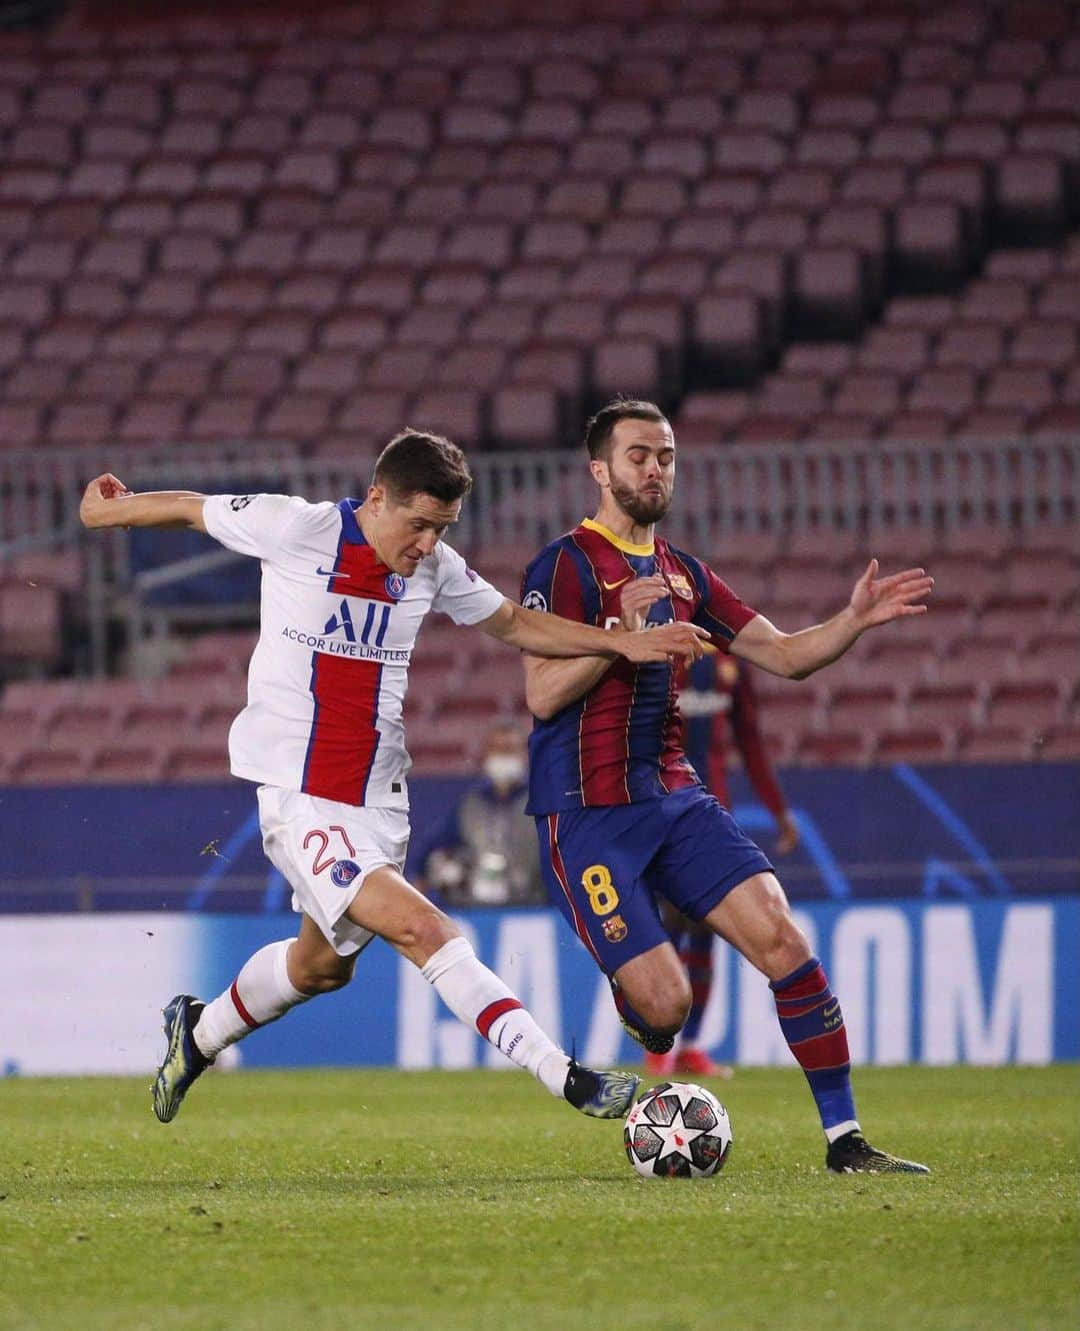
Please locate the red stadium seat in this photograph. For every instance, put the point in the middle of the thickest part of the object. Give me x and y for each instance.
(922, 103)
(389, 288)
(729, 331)
(828, 291)
(1017, 617)
(943, 706)
(1030, 196)
(1030, 707)
(1060, 743)
(524, 416)
(656, 196)
(832, 748)
(30, 625)
(559, 365)
(628, 366)
(707, 417)
(1052, 346)
(876, 395)
(978, 347)
(863, 709)
(912, 746)
(153, 420)
(994, 743)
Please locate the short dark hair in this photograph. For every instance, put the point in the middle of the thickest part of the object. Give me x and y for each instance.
(416, 462)
(600, 428)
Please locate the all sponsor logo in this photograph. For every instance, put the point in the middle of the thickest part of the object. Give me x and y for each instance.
(615, 929)
(534, 600)
(239, 502)
(395, 586)
(343, 872)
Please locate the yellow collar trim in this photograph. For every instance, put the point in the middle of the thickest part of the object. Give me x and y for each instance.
(627, 547)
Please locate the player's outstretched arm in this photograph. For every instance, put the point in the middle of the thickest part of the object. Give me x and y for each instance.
(550, 635)
(873, 601)
(551, 685)
(107, 502)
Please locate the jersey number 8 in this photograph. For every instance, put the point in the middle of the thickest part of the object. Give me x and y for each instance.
(596, 880)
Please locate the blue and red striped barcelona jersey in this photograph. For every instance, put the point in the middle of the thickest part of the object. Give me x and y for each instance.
(622, 741)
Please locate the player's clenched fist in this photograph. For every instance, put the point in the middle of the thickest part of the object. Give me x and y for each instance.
(638, 597)
(97, 494)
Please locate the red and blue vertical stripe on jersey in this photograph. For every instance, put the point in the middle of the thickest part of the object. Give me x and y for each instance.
(344, 739)
(604, 726)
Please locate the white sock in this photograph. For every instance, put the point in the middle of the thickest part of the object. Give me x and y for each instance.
(262, 992)
(477, 997)
(841, 1129)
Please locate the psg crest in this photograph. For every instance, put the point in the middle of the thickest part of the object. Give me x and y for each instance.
(343, 872)
(395, 586)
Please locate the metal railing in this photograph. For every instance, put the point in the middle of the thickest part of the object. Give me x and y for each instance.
(528, 498)
(532, 496)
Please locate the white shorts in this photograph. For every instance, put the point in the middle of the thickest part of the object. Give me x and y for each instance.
(325, 850)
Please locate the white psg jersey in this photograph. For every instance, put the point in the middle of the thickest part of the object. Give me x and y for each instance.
(327, 680)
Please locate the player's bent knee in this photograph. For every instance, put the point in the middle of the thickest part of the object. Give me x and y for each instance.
(786, 950)
(664, 1004)
(423, 933)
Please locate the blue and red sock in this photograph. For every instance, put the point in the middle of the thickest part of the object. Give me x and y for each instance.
(696, 954)
(813, 1026)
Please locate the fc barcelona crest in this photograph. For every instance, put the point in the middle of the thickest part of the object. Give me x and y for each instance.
(615, 929)
(680, 585)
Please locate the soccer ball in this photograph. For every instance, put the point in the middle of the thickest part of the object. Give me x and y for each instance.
(677, 1130)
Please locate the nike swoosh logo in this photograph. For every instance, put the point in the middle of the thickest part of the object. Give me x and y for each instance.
(610, 586)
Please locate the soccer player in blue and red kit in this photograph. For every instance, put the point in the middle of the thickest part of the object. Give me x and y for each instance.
(623, 817)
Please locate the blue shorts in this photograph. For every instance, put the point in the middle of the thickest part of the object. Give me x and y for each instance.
(605, 867)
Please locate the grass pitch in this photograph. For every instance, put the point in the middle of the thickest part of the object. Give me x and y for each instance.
(383, 1199)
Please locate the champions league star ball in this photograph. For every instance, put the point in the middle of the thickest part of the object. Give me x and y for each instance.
(677, 1130)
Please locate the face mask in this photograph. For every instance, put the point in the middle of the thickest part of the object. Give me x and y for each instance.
(504, 769)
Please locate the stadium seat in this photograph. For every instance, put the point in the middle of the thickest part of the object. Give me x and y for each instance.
(1059, 743)
(833, 747)
(989, 744)
(525, 416)
(865, 709)
(30, 625)
(828, 292)
(941, 706)
(1030, 707)
(482, 367)
(912, 746)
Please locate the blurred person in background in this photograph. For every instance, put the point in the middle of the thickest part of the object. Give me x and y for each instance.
(719, 703)
(487, 855)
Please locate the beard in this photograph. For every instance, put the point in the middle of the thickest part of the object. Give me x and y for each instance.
(644, 509)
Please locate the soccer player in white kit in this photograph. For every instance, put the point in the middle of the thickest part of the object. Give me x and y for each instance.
(344, 590)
